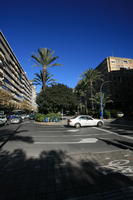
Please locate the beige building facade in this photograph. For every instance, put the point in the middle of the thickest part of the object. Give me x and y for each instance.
(119, 71)
(110, 64)
(13, 79)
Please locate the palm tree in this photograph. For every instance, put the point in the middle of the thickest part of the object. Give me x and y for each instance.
(38, 80)
(90, 77)
(81, 92)
(97, 99)
(45, 59)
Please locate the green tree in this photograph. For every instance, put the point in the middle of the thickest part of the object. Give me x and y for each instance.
(82, 95)
(45, 59)
(97, 99)
(38, 80)
(90, 77)
(57, 98)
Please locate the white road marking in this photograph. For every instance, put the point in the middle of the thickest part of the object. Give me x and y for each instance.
(73, 130)
(65, 136)
(111, 132)
(49, 131)
(119, 166)
(88, 140)
(83, 141)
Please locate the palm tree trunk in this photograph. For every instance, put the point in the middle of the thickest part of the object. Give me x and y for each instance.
(44, 77)
(92, 103)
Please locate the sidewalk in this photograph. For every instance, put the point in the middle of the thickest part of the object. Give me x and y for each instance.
(55, 175)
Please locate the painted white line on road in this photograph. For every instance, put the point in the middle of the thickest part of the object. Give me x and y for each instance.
(50, 131)
(55, 142)
(111, 132)
(73, 130)
(88, 140)
(128, 137)
(55, 136)
(83, 141)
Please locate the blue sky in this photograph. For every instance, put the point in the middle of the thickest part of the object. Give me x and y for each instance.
(81, 32)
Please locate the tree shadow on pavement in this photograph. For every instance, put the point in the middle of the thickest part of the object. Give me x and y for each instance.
(121, 130)
(54, 175)
(11, 135)
(118, 143)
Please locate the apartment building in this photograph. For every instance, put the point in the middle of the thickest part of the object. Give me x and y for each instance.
(119, 71)
(12, 76)
(33, 97)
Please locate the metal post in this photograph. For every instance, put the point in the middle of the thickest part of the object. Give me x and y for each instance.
(101, 105)
(101, 99)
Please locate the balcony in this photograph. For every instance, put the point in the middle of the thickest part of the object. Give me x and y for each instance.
(13, 83)
(1, 72)
(17, 98)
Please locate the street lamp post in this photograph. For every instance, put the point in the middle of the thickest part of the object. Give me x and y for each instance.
(101, 99)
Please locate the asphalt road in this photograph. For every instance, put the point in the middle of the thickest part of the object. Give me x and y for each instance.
(58, 162)
(34, 138)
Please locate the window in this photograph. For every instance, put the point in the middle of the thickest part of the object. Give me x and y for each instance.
(112, 61)
(85, 118)
(125, 61)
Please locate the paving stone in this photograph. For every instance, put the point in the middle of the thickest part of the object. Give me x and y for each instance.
(80, 180)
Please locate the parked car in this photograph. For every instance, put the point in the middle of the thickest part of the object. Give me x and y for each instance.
(3, 119)
(23, 116)
(15, 120)
(31, 116)
(84, 120)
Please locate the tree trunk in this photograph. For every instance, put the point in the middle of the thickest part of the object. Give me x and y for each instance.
(92, 103)
(44, 77)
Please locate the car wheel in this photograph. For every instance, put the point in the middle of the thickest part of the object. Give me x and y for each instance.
(78, 125)
(99, 124)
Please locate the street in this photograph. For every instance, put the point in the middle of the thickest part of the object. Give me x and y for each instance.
(60, 162)
(34, 138)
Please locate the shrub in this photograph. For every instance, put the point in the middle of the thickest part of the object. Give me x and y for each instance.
(113, 113)
(39, 117)
(107, 114)
(50, 117)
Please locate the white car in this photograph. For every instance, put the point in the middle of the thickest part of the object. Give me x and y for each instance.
(84, 120)
(3, 119)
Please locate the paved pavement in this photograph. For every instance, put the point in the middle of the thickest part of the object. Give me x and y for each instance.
(59, 175)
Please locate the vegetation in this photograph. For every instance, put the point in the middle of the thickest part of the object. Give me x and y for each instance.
(86, 90)
(38, 80)
(89, 78)
(45, 59)
(97, 97)
(57, 98)
(51, 117)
